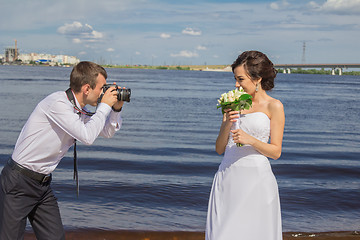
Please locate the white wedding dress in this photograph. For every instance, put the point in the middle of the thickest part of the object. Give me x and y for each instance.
(244, 200)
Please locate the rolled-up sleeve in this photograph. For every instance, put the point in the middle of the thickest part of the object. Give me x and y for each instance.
(112, 125)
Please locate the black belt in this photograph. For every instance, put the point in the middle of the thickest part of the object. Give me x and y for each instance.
(42, 178)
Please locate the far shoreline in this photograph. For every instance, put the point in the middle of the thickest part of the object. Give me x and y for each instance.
(97, 234)
(204, 68)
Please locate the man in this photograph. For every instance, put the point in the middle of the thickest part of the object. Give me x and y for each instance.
(52, 128)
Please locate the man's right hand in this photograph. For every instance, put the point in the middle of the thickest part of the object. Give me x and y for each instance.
(110, 96)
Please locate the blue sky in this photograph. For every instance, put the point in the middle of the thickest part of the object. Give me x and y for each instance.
(157, 32)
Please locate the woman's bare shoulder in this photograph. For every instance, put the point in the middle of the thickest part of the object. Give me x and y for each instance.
(275, 106)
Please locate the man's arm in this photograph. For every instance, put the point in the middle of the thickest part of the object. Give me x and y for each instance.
(62, 114)
(113, 124)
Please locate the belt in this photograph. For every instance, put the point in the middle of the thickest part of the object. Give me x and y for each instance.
(41, 178)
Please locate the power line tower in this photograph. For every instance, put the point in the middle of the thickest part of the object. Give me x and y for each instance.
(303, 53)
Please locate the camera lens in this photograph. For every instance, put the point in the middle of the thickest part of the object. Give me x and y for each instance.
(124, 94)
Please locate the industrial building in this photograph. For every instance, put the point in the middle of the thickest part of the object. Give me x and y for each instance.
(12, 56)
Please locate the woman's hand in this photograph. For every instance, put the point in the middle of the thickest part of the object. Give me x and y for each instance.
(239, 136)
(230, 116)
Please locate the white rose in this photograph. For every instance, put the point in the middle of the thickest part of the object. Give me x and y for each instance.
(225, 97)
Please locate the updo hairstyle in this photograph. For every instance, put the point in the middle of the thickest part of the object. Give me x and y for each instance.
(257, 65)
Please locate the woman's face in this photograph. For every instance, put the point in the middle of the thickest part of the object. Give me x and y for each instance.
(243, 80)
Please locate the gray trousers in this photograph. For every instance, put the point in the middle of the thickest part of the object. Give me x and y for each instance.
(22, 197)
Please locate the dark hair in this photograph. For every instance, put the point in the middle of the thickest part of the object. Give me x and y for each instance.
(257, 65)
(85, 73)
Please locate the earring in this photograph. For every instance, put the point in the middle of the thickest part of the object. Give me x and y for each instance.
(257, 87)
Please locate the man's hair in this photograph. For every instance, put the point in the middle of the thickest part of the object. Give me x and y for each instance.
(85, 73)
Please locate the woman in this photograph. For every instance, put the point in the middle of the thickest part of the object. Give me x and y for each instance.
(244, 199)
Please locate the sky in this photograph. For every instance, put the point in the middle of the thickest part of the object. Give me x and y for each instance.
(182, 32)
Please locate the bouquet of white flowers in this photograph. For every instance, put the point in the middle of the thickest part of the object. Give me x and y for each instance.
(236, 99)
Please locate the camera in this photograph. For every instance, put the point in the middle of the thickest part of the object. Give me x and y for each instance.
(122, 94)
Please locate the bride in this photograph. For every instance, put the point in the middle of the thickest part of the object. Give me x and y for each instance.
(244, 200)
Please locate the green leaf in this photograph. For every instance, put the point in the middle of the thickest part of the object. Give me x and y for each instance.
(245, 97)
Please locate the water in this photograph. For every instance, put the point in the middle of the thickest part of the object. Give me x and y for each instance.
(156, 173)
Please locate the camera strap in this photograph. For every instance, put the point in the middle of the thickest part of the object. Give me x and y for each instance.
(71, 98)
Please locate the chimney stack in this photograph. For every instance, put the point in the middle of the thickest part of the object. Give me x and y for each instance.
(16, 51)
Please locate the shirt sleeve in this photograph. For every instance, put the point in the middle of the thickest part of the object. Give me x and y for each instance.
(113, 122)
(62, 114)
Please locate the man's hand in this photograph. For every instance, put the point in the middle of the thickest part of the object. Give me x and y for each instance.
(110, 97)
(118, 105)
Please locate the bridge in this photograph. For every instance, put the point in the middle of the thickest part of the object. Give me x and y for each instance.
(340, 67)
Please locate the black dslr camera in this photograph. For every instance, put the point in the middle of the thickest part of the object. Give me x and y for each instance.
(122, 94)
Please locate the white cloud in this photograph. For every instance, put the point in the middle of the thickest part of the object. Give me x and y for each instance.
(76, 40)
(137, 53)
(74, 28)
(165, 35)
(341, 6)
(313, 5)
(191, 31)
(110, 50)
(96, 35)
(279, 5)
(201, 47)
(274, 6)
(185, 53)
(80, 33)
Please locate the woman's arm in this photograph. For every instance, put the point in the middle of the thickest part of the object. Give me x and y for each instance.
(277, 123)
(228, 118)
